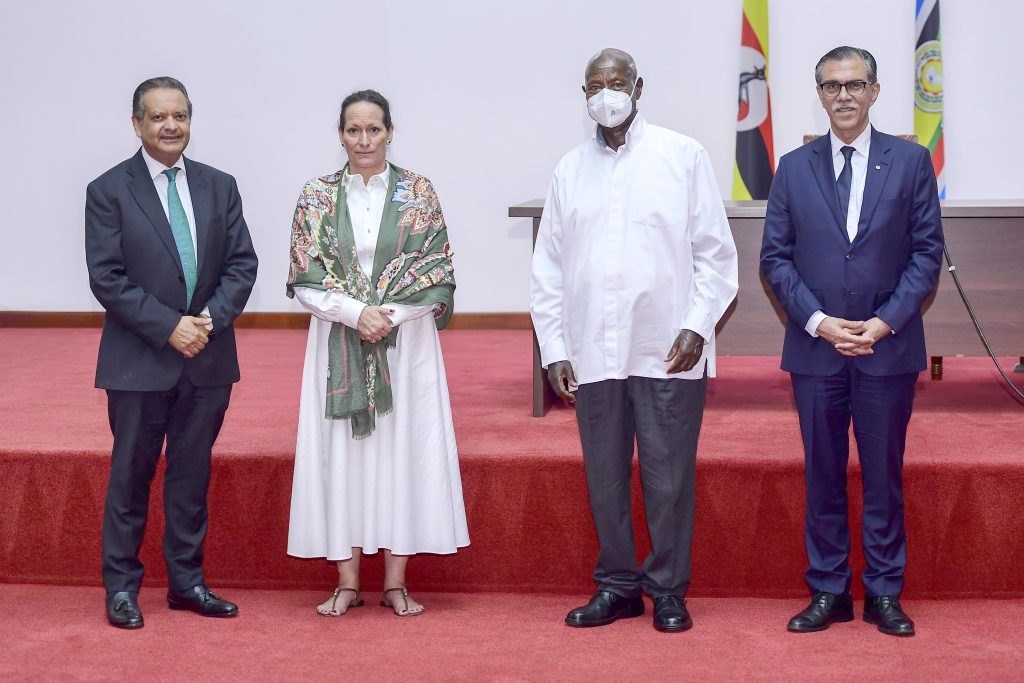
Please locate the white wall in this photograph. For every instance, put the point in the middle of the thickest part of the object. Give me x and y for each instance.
(485, 96)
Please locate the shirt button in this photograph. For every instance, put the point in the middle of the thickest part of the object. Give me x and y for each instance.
(849, 257)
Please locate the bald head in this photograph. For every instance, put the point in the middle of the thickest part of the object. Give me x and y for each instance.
(610, 58)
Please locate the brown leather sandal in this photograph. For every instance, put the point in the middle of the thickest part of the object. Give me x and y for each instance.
(386, 602)
(356, 602)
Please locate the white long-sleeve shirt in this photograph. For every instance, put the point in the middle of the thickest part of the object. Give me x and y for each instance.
(365, 208)
(634, 246)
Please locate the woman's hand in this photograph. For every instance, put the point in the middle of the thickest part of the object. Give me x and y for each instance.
(374, 324)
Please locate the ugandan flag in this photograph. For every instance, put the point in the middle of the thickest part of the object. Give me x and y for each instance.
(755, 157)
(928, 86)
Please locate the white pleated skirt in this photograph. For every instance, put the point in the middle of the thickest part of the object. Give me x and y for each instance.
(399, 488)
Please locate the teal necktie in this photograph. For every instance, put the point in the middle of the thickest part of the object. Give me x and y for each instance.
(182, 235)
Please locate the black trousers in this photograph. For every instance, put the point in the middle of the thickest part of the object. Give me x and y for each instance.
(664, 417)
(190, 418)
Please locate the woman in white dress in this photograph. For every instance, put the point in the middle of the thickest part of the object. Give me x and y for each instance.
(376, 466)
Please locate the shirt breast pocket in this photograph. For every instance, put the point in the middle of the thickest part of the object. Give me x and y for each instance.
(659, 206)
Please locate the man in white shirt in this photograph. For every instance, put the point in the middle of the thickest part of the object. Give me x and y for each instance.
(633, 268)
(852, 248)
(171, 262)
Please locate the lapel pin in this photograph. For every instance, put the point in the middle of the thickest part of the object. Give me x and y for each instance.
(878, 168)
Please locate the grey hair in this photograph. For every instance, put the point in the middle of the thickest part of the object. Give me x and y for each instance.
(611, 53)
(139, 111)
(846, 52)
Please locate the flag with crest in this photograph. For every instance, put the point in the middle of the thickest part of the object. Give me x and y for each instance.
(928, 87)
(755, 156)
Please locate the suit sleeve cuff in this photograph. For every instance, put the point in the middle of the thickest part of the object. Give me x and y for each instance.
(813, 322)
(892, 330)
(209, 318)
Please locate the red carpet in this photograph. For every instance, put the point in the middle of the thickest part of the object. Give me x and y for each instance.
(58, 634)
(523, 477)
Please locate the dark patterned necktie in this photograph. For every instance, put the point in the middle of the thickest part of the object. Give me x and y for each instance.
(843, 183)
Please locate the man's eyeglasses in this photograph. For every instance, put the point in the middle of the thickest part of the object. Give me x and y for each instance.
(832, 88)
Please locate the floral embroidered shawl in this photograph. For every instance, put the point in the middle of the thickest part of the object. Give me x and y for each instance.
(412, 265)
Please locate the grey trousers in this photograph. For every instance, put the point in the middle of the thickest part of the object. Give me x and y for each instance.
(664, 416)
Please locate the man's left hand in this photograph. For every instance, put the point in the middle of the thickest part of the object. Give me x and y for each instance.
(685, 352)
(875, 330)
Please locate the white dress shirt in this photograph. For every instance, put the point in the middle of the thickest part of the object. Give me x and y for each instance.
(161, 182)
(634, 246)
(859, 167)
(365, 208)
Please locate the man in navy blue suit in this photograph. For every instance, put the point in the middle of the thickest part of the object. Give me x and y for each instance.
(171, 261)
(852, 247)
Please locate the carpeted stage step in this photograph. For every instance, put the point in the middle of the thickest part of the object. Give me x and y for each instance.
(55, 633)
(523, 477)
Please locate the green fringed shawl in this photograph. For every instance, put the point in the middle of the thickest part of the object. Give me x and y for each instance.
(412, 265)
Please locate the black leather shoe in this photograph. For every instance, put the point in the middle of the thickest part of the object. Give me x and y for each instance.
(824, 610)
(670, 614)
(885, 611)
(202, 601)
(123, 610)
(604, 608)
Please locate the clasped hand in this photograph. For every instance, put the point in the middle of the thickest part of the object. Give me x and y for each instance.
(375, 324)
(190, 336)
(853, 337)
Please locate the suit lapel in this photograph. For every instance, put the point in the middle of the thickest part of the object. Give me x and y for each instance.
(825, 173)
(142, 189)
(202, 206)
(879, 163)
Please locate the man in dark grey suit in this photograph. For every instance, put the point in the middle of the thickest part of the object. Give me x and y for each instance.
(171, 261)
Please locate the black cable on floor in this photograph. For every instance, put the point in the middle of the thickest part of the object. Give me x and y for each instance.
(977, 325)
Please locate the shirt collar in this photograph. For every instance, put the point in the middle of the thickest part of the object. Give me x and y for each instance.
(633, 134)
(862, 144)
(383, 175)
(156, 168)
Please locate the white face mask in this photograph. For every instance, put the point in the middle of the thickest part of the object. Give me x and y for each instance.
(610, 108)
